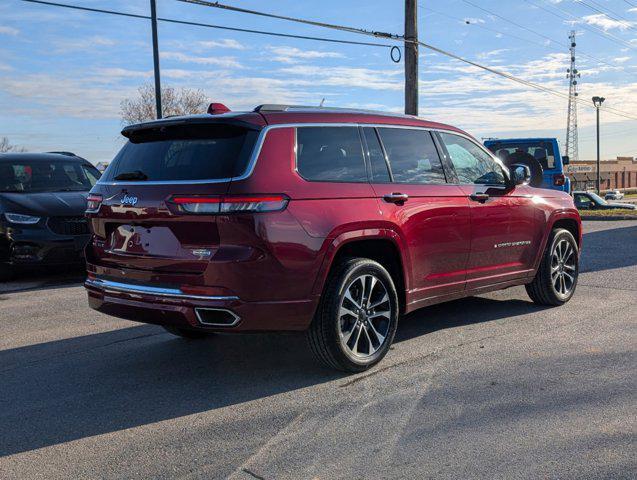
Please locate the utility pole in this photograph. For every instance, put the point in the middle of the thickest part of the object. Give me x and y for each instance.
(597, 101)
(411, 57)
(153, 19)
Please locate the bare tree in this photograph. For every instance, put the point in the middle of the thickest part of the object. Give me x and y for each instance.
(174, 102)
(5, 146)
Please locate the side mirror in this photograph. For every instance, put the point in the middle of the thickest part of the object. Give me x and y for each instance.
(566, 160)
(520, 174)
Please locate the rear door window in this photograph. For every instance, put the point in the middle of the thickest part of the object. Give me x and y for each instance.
(330, 154)
(412, 154)
(192, 152)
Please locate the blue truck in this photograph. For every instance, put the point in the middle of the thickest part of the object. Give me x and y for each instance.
(542, 155)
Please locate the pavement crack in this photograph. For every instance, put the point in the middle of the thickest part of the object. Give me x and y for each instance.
(252, 474)
(580, 284)
(419, 358)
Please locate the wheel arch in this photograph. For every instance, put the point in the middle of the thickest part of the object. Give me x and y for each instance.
(567, 219)
(384, 246)
(571, 225)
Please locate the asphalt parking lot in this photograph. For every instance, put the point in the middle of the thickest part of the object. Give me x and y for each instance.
(488, 387)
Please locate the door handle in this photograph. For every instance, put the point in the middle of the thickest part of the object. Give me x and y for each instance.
(479, 197)
(397, 198)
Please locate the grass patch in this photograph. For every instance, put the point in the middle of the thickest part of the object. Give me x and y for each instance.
(619, 212)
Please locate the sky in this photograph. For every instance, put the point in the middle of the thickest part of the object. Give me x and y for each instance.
(64, 73)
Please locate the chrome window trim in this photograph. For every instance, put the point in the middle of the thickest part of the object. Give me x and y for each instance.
(261, 140)
(256, 151)
(109, 285)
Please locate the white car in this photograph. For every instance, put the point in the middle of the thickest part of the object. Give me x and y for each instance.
(614, 195)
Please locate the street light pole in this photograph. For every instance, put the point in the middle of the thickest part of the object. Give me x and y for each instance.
(597, 101)
(153, 20)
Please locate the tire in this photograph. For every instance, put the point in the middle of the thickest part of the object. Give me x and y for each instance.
(345, 337)
(187, 333)
(5, 273)
(547, 287)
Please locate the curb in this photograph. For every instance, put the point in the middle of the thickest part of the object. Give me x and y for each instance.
(609, 219)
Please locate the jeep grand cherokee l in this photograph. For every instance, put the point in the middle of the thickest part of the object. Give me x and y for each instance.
(318, 220)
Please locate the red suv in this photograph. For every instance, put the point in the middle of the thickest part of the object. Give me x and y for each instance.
(333, 222)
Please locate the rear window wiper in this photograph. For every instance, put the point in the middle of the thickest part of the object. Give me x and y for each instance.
(134, 175)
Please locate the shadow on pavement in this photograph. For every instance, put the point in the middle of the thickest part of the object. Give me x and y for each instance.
(70, 389)
(609, 249)
(43, 278)
(65, 390)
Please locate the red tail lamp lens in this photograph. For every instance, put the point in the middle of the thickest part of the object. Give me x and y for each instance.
(559, 180)
(93, 203)
(231, 204)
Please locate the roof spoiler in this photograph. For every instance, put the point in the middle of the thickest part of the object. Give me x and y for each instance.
(130, 130)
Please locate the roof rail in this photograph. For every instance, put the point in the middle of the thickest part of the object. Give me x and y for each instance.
(290, 108)
(67, 154)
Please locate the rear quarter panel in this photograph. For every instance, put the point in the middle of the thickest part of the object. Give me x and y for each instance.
(327, 214)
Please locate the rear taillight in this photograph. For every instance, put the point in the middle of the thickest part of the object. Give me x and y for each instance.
(211, 205)
(93, 203)
(559, 180)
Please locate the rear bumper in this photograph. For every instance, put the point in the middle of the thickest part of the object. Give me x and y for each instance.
(170, 306)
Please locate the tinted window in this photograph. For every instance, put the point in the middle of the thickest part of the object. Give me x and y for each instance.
(330, 154)
(193, 152)
(511, 153)
(376, 156)
(412, 154)
(472, 163)
(582, 201)
(46, 176)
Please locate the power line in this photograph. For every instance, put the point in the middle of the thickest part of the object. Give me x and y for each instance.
(393, 36)
(297, 20)
(522, 81)
(484, 27)
(591, 28)
(595, 9)
(208, 25)
(608, 134)
(594, 2)
(336, 27)
(533, 42)
(551, 40)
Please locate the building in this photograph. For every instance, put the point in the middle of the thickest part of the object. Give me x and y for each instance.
(620, 173)
(101, 166)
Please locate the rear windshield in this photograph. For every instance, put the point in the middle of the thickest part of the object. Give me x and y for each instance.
(46, 176)
(193, 152)
(513, 152)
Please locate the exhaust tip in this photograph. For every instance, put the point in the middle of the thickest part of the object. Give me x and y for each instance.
(217, 317)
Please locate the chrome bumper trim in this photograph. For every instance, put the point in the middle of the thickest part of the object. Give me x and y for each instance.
(109, 285)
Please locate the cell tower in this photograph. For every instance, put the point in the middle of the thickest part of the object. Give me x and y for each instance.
(571, 128)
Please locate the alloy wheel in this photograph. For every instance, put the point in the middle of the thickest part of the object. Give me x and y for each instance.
(364, 316)
(563, 267)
